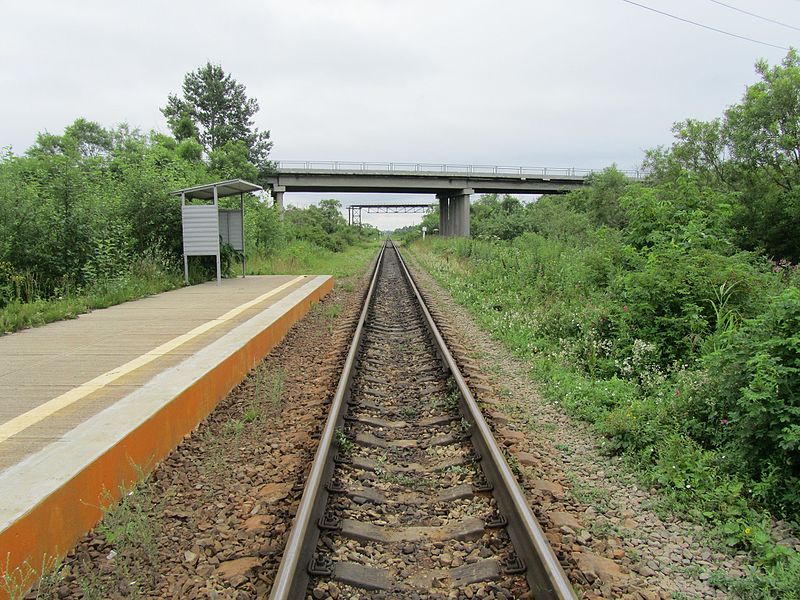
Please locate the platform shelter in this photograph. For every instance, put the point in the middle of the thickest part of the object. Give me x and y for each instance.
(206, 226)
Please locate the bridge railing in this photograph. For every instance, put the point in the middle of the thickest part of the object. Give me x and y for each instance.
(439, 168)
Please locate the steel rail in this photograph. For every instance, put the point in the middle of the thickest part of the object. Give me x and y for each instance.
(545, 576)
(291, 579)
(544, 573)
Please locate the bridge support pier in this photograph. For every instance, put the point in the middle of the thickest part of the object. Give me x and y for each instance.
(277, 196)
(444, 209)
(454, 213)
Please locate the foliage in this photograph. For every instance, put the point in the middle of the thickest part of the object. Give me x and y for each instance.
(325, 226)
(215, 111)
(667, 314)
(86, 221)
(753, 152)
(494, 217)
(151, 273)
(754, 389)
(83, 208)
(602, 203)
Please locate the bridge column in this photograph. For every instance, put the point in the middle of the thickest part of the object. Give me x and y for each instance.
(459, 210)
(444, 210)
(277, 195)
(454, 213)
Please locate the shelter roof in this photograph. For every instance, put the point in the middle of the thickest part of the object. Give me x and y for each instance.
(231, 187)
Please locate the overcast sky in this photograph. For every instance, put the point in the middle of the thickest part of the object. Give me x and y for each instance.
(582, 83)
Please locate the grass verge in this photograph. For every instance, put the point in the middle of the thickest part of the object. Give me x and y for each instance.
(305, 257)
(20, 315)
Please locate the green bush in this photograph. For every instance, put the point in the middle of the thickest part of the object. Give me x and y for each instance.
(754, 400)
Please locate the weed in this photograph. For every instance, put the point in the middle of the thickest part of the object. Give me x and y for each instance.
(333, 310)
(216, 460)
(127, 524)
(513, 462)
(275, 389)
(267, 389)
(343, 443)
(400, 479)
(46, 580)
(449, 401)
(456, 470)
(130, 529)
(409, 481)
(251, 414)
(588, 495)
(691, 570)
(92, 586)
(604, 529)
(233, 428)
(409, 411)
(534, 425)
(380, 465)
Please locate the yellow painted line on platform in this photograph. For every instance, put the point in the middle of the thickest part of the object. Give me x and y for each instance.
(43, 411)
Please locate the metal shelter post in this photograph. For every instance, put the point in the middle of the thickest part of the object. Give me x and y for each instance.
(185, 256)
(219, 262)
(244, 254)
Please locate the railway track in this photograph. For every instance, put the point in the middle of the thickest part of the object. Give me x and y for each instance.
(409, 495)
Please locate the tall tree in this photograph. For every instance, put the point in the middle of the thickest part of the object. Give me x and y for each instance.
(764, 132)
(753, 155)
(764, 128)
(216, 111)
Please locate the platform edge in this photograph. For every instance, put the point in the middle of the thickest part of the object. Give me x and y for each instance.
(50, 528)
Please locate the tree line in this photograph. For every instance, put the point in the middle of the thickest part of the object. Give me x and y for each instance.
(92, 205)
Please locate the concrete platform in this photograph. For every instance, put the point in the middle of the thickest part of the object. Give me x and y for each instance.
(85, 403)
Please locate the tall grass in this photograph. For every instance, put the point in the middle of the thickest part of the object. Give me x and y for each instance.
(147, 276)
(303, 257)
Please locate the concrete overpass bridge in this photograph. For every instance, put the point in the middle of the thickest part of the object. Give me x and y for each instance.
(452, 184)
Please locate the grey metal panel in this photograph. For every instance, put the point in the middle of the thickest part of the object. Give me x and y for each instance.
(200, 229)
(231, 228)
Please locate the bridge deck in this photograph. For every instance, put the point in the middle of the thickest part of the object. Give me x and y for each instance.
(415, 182)
(422, 178)
(82, 400)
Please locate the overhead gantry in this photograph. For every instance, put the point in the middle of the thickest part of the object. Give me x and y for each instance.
(453, 185)
(354, 210)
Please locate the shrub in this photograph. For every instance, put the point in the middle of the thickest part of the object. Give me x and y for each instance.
(754, 390)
